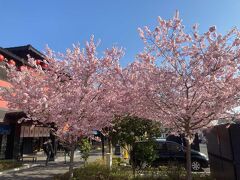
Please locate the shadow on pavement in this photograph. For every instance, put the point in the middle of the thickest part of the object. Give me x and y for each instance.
(39, 172)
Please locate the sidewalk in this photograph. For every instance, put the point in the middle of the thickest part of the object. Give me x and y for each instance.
(40, 171)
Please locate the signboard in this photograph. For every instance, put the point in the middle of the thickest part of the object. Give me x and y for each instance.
(22, 131)
(46, 132)
(31, 131)
(26, 131)
(34, 131)
(5, 129)
(41, 131)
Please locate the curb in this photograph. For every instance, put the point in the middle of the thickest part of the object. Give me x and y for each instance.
(25, 166)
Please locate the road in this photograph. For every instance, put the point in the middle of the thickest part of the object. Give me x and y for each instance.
(42, 172)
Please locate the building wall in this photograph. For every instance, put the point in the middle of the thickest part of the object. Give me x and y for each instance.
(3, 110)
(9, 140)
(12, 144)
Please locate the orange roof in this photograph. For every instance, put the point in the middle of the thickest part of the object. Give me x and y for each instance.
(4, 104)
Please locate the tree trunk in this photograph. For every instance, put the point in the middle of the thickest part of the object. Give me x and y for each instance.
(188, 156)
(109, 156)
(133, 160)
(102, 140)
(109, 145)
(133, 168)
(71, 162)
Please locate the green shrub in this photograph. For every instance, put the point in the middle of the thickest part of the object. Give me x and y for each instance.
(116, 161)
(144, 153)
(9, 164)
(175, 171)
(202, 177)
(85, 148)
(99, 171)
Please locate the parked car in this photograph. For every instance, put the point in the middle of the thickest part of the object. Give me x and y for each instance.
(169, 151)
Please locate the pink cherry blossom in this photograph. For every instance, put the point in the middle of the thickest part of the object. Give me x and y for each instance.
(192, 81)
(72, 92)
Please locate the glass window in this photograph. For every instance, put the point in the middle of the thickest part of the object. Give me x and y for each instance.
(162, 147)
(173, 147)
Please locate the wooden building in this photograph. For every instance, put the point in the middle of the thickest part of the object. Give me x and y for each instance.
(18, 138)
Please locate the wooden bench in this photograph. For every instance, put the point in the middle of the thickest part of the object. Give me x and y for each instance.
(27, 156)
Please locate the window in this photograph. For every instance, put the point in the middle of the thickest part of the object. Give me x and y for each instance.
(162, 147)
(173, 147)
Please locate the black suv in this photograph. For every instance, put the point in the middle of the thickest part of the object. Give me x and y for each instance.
(168, 151)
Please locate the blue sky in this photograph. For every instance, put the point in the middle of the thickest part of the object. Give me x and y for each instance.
(59, 23)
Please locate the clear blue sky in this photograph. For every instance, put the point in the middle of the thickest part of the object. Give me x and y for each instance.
(59, 23)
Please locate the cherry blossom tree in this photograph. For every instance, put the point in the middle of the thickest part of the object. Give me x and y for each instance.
(70, 92)
(187, 79)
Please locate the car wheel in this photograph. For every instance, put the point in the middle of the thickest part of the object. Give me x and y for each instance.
(196, 166)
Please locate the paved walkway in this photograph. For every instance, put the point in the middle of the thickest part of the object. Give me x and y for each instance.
(42, 172)
(37, 173)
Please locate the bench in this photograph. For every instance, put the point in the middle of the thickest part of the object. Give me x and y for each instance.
(27, 156)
